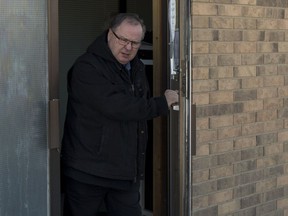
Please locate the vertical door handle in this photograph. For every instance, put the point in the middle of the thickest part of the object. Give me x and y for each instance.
(54, 128)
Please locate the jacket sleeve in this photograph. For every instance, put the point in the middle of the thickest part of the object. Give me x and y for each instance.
(93, 89)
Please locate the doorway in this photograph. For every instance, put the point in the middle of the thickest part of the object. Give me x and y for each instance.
(79, 25)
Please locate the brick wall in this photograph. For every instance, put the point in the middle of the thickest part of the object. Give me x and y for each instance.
(240, 88)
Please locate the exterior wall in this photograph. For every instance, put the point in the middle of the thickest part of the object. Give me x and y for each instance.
(240, 88)
(24, 154)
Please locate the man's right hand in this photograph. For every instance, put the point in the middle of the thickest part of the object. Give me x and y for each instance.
(172, 97)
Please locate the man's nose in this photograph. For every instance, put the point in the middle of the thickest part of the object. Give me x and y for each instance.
(129, 45)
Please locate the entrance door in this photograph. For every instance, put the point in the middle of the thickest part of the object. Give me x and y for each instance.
(179, 131)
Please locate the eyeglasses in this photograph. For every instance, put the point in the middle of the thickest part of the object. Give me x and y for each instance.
(125, 41)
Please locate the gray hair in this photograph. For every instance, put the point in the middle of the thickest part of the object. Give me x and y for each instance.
(130, 18)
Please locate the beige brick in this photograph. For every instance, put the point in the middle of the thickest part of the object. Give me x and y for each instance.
(221, 121)
(283, 136)
(230, 35)
(253, 35)
(275, 125)
(269, 92)
(201, 98)
(254, 105)
(275, 13)
(240, 23)
(275, 148)
(265, 70)
(273, 160)
(204, 188)
(283, 91)
(204, 35)
(245, 71)
(200, 202)
(274, 36)
(270, 81)
(221, 97)
(229, 60)
(245, 165)
(244, 118)
(221, 1)
(266, 115)
(264, 47)
(282, 69)
(286, 168)
(202, 123)
(230, 10)
(267, 24)
(244, 2)
(283, 24)
(282, 181)
(252, 59)
(206, 135)
(266, 162)
(274, 58)
(219, 172)
(220, 197)
(204, 85)
(200, 22)
(252, 82)
(253, 12)
(200, 47)
(245, 47)
(273, 103)
(200, 176)
(229, 132)
(200, 73)
(221, 72)
(285, 123)
(229, 207)
(266, 185)
(204, 9)
(245, 142)
(221, 22)
(229, 84)
(202, 150)
(221, 47)
(282, 203)
(204, 60)
(250, 129)
(220, 147)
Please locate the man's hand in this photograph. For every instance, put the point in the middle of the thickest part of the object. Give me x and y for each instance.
(172, 97)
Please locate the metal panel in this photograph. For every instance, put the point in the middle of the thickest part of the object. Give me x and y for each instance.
(23, 108)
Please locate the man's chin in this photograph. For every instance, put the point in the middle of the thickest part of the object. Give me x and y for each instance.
(124, 61)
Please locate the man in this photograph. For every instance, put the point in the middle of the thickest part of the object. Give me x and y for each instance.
(105, 134)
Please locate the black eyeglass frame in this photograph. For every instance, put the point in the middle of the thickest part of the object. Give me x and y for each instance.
(125, 41)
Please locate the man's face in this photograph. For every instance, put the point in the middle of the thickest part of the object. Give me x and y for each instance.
(125, 41)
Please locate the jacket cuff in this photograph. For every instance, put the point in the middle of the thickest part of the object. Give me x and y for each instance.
(162, 105)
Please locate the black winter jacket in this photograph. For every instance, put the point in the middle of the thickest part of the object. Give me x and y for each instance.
(105, 131)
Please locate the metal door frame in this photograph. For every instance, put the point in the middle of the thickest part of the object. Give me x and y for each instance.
(160, 156)
(186, 122)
